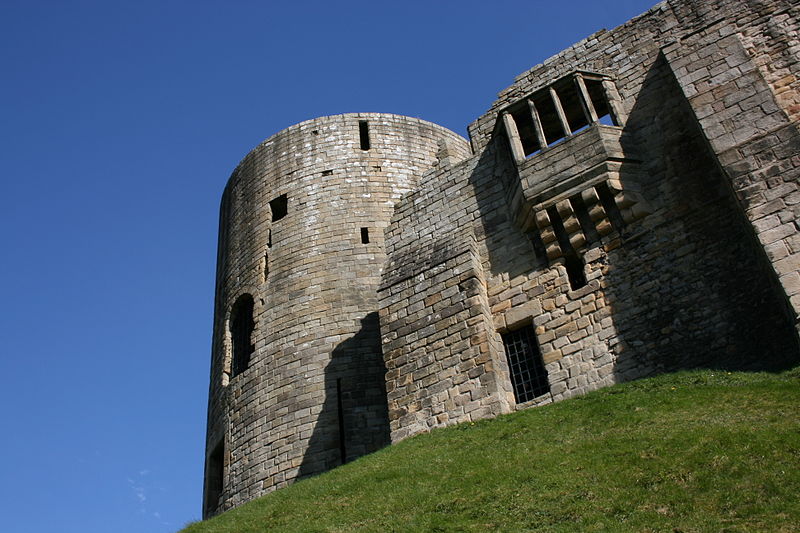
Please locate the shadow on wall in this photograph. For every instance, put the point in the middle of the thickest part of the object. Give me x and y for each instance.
(354, 419)
(690, 286)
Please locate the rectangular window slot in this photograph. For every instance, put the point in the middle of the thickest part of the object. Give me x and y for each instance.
(215, 470)
(327, 172)
(363, 133)
(364, 235)
(528, 375)
(279, 207)
(575, 270)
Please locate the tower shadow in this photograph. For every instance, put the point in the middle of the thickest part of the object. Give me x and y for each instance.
(354, 419)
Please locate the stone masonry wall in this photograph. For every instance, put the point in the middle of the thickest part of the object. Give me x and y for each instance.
(313, 394)
(664, 238)
(687, 285)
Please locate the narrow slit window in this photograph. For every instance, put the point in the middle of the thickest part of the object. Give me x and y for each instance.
(266, 265)
(575, 271)
(363, 134)
(528, 375)
(279, 207)
(241, 329)
(364, 235)
(215, 477)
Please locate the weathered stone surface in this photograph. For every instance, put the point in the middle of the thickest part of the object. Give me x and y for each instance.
(314, 391)
(668, 239)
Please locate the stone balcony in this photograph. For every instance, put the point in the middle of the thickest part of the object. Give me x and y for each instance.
(588, 178)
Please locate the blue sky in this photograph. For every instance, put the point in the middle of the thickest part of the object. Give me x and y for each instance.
(121, 122)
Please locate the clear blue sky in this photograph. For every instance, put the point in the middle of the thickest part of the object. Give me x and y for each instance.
(121, 122)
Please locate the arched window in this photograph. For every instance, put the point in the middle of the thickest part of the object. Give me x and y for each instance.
(241, 328)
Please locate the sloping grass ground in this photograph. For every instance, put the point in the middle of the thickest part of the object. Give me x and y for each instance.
(693, 451)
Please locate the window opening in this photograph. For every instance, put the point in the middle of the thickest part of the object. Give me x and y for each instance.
(573, 107)
(269, 238)
(364, 235)
(548, 116)
(266, 265)
(363, 134)
(327, 172)
(279, 207)
(566, 107)
(598, 97)
(215, 470)
(526, 128)
(241, 328)
(575, 270)
(528, 375)
(340, 411)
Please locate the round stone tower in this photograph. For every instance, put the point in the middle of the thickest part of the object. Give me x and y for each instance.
(297, 374)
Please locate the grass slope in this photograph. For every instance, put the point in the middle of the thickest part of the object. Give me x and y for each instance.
(694, 451)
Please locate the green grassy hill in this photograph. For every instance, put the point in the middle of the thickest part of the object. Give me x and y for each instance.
(694, 451)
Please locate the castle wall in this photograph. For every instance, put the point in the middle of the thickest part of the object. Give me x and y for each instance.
(683, 265)
(628, 207)
(312, 394)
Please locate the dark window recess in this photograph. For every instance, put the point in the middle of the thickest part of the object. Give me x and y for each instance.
(363, 134)
(279, 207)
(571, 103)
(575, 271)
(598, 97)
(340, 413)
(269, 238)
(266, 265)
(528, 375)
(327, 172)
(215, 469)
(364, 235)
(551, 125)
(242, 326)
(525, 126)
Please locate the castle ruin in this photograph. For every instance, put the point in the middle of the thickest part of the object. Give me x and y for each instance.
(628, 207)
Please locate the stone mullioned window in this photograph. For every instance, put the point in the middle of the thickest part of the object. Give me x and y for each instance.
(560, 110)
